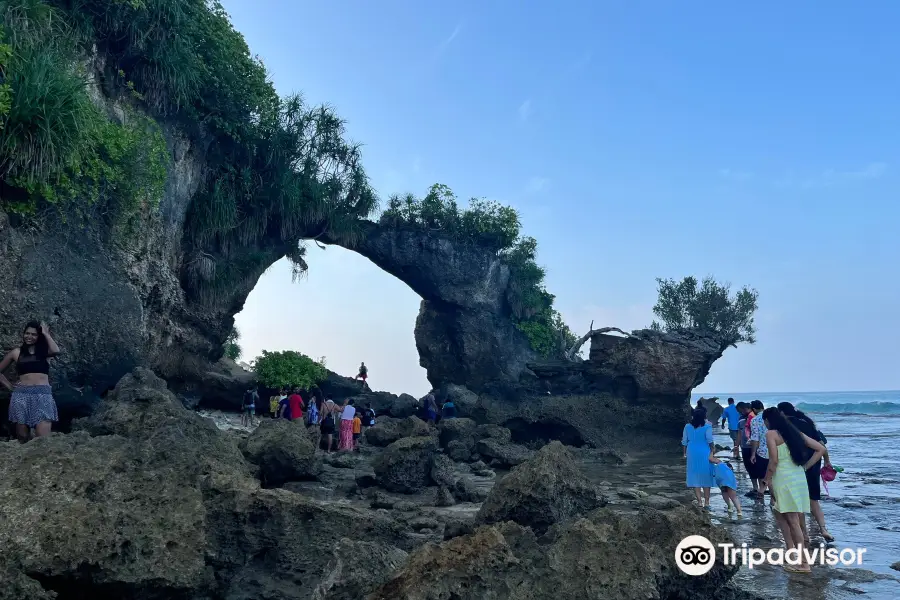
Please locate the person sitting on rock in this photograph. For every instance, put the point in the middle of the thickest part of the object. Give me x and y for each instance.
(32, 405)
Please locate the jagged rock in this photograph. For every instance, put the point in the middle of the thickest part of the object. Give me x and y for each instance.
(494, 432)
(387, 431)
(356, 568)
(714, 410)
(404, 406)
(405, 465)
(896, 566)
(632, 494)
(442, 471)
(15, 585)
(451, 430)
(461, 450)
(603, 555)
(465, 400)
(464, 491)
(382, 500)
(283, 452)
(546, 489)
(504, 454)
(444, 497)
(168, 510)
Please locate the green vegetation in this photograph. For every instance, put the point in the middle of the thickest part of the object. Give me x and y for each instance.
(289, 369)
(278, 170)
(56, 146)
(496, 227)
(232, 345)
(706, 306)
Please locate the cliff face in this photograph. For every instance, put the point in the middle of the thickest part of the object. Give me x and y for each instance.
(112, 304)
(628, 385)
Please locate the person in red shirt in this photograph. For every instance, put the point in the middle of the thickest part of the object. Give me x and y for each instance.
(296, 403)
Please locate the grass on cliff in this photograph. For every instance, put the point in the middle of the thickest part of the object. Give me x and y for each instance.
(495, 227)
(57, 147)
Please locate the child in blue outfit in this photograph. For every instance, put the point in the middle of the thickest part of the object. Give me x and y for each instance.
(723, 475)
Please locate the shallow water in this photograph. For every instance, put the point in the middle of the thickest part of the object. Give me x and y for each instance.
(869, 520)
(863, 510)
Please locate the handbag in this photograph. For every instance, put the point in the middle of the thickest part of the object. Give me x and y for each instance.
(827, 473)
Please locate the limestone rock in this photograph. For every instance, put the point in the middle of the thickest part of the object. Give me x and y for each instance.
(355, 569)
(546, 489)
(506, 454)
(283, 451)
(405, 465)
(494, 432)
(605, 554)
(465, 400)
(714, 410)
(387, 431)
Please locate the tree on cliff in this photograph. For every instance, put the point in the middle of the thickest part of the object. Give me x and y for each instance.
(289, 369)
(232, 346)
(707, 306)
(495, 227)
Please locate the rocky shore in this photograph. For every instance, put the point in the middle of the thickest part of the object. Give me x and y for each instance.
(148, 499)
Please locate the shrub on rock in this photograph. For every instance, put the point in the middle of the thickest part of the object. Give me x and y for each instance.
(544, 490)
(283, 451)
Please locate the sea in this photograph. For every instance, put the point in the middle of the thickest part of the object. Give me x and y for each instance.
(862, 507)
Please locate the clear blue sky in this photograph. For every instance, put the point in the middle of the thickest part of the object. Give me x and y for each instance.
(758, 143)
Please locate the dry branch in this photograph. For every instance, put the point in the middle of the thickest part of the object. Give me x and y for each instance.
(570, 355)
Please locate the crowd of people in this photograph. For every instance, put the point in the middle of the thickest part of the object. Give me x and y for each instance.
(781, 451)
(332, 419)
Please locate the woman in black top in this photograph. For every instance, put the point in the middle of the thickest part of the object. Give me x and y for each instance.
(31, 405)
(808, 428)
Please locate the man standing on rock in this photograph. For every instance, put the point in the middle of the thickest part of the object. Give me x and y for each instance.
(296, 402)
(759, 459)
(431, 408)
(248, 406)
(363, 373)
(731, 415)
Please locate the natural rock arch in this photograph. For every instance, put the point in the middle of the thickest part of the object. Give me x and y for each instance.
(464, 333)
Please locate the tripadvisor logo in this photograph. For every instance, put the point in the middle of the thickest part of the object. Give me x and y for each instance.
(695, 555)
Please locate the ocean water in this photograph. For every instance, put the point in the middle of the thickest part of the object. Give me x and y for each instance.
(863, 505)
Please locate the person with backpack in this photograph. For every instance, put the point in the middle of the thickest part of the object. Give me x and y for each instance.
(248, 406)
(368, 418)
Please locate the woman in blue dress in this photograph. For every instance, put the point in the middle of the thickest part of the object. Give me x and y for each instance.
(697, 441)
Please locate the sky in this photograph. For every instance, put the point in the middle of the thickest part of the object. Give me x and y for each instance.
(757, 143)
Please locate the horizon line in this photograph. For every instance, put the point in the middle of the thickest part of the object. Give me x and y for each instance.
(805, 392)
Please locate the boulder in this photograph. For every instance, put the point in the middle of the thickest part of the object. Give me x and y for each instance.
(404, 406)
(387, 430)
(503, 454)
(283, 452)
(170, 510)
(405, 465)
(444, 497)
(457, 437)
(355, 569)
(493, 432)
(465, 400)
(606, 554)
(545, 490)
(714, 410)
(442, 471)
(450, 430)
